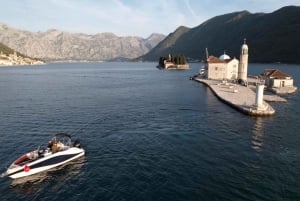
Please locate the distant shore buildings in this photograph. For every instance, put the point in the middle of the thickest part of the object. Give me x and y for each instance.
(14, 59)
(173, 62)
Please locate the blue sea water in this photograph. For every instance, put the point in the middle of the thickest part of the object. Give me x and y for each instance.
(149, 134)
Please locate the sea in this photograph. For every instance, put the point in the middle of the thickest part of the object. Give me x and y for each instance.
(149, 135)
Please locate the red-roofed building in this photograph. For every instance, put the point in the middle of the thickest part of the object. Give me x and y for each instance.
(4, 60)
(277, 78)
(225, 68)
(222, 68)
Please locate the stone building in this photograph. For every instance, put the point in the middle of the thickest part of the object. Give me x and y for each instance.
(278, 81)
(225, 68)
(222, 68)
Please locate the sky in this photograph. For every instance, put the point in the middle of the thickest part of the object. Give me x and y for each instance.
(124, 17)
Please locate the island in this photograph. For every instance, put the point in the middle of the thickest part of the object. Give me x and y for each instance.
(171, 62)
(228, 79)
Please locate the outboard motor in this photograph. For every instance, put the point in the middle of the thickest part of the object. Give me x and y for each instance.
(76, 144)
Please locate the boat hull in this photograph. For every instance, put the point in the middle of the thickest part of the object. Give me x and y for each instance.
(47, 162)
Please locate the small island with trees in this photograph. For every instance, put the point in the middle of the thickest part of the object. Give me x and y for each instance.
(177, 62)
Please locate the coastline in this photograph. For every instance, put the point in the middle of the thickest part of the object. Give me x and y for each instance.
(20, 65)
(15, 60)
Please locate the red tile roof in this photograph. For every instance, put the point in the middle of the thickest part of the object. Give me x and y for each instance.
(277, 74)
(213, 59)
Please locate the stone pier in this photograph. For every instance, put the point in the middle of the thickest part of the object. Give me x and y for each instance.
(240, 97)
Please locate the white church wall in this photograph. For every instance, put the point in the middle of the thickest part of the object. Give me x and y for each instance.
(232, 69)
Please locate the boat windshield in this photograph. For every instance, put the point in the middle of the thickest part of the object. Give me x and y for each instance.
(63, 138)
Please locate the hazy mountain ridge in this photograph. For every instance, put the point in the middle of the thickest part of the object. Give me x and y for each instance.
(272, 37)
(59, 45)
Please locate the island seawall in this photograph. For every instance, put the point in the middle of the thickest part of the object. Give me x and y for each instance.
(239, 97)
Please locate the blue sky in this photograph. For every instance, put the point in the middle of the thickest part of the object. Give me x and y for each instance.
(123, 17)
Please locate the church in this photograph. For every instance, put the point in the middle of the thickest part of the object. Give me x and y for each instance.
(226, 68)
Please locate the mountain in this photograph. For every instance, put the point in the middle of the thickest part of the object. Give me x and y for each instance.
(6, 50)
(58, 45)
(272, 37)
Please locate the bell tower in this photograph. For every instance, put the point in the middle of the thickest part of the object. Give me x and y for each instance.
(243, 64)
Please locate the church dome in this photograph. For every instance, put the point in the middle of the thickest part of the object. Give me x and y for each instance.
(224, 57)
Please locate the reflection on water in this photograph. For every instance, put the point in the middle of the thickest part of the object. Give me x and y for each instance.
(257, 134)
(32, 185)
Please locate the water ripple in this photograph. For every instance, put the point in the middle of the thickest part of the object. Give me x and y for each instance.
(148, 135)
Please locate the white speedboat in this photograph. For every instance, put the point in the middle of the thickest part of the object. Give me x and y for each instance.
(60, 150)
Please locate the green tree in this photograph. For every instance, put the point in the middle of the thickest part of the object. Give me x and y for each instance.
(176, 60)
